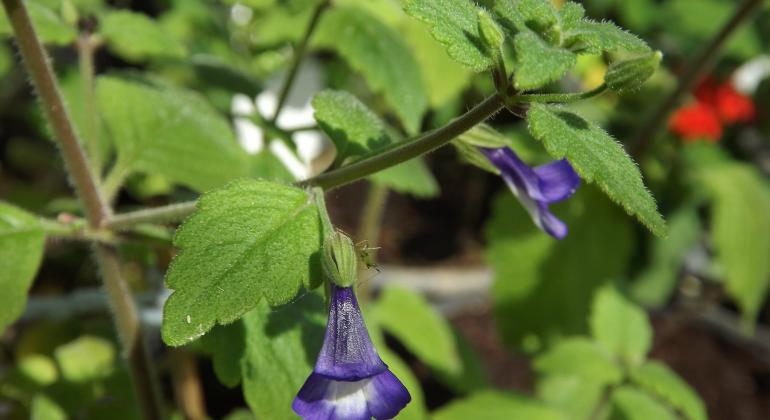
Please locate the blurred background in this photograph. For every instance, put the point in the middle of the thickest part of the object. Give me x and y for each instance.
(441, 230)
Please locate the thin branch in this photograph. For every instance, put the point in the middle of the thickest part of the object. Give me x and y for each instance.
(398, 153)
(96, 209)
(44, 81)
(687, 80)
(299, 54)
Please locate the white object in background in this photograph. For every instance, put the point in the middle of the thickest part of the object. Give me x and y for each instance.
(748, 76)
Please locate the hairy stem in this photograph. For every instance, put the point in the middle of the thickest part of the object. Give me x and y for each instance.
(687, 80)
(559, 97)
(400, 152)
(299, 54)
(95, 207)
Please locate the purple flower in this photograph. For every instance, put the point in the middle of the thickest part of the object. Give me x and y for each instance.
(538, 187)
(349, 381)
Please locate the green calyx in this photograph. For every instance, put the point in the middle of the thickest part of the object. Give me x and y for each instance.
(339, 259)
(630, 74)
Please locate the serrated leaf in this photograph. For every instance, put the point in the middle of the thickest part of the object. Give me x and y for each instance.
(281, 347)
(579, 357)
(411, 319)
(539, 16)
(454, 23)
(655, 284)
(542, 287)
(21, 251)
(48, 24)
(497, 405)
(85, 359)
(538, 63)
(740, 231)
(598, 158)
(621, 327)
(136, 37)
(356, 131)
(246, 241)
(629, 403)
(381, 56)
(593, 37)
(661, 381)
(169, 131)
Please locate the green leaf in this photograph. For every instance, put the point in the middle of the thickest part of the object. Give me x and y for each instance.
(281, 347)
(21, 251)
(660, 380)
(740, 231)
(38, 369)
(445, 79)
(136, 37)
(266, 165)
(381, 56)
(352, 127)
(49, 26)
(248, 240)
(571, 394)
(621, 327)
(629, 403)
(423, 331)
(454, 23)
(44, 408)
(88, 358)
(169, 131)
(537, 62)
(356, 131)
(473, 376)
(226, 344)
(655, 284)
(593, 37)
(598, 158)
(411, 177)
(542, 287)
(579, 357)
(497, 405)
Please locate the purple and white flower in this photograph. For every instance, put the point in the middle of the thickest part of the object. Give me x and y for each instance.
(349, 381)
(537, 187)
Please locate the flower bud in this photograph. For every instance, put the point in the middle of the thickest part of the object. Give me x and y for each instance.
(339, 259)
(629, 75)
(491, 34)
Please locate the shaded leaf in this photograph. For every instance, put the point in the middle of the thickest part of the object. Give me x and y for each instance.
(137, 37)
(21, 251)
(381, 56)
(410, 318)
(49, 26)
(171, 132)
(598, 158)
(248, 240)
(621, 327)
(629, 403)
(664, 383)
(497, 405)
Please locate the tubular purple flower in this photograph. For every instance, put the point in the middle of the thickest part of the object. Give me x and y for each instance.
(538, 187)
(349, 381)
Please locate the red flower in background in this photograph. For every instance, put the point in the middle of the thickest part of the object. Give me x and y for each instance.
(716, 104)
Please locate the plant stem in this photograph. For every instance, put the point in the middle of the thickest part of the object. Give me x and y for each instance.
(187, 384)
(687, 80)
(299, 54)
(115, 178)
(399, 153)
(95, 207)
(597, 413)
(559, 97)
(403, 151)
(86, 48)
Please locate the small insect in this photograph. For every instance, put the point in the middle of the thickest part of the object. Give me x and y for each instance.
(365, 255)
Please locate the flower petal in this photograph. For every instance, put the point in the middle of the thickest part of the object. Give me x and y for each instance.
(322, 398)
(386, 395)
(558, 180)
(347, 353)
(538, 211)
